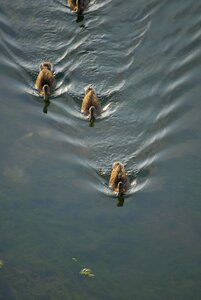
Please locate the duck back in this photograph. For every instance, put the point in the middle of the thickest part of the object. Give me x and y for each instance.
(90, 99)
(118, 174)
(45, 76)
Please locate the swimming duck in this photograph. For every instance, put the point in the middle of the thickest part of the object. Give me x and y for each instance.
(118, 182)
(90, 105)
(45, 82)
(77, 5)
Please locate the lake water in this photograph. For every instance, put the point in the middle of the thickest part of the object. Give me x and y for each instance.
(57, 214)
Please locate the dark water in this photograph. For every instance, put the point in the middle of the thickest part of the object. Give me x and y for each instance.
(144, 60)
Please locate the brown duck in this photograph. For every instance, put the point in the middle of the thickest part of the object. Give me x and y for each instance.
(118, 182)
(90, 105)
(77, 5)
(45, 82)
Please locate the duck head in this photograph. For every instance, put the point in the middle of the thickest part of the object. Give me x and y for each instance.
(45, 108)
(46, 92)
(120, 202)
(120, 188)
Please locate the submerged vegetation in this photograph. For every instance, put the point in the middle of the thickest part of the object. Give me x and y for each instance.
(1, 263)
(87, 272)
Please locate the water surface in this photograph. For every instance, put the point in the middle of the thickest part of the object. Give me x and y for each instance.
(56, 210)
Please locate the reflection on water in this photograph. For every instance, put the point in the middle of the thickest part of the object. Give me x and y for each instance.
(143, 60)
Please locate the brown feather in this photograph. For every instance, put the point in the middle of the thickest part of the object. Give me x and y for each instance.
(45, 76)
(118, 174)
(90, 99)
(73, 6)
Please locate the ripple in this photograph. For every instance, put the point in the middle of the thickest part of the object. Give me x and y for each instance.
(100, 183)
(142, 78)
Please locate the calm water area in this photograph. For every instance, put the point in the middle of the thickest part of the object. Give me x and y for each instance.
(57, 213)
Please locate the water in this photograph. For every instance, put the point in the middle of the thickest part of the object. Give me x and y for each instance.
(56, 210)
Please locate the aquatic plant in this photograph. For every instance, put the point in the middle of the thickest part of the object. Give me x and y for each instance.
(1, 264)
(87, 272)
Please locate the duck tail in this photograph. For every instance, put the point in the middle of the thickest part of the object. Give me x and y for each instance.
(88, 88)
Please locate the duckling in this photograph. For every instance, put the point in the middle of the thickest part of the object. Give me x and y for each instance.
(45, 82)
(118, 182)
(77, 5)
(90, 105)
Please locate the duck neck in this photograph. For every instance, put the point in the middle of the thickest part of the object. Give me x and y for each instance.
(92, 114)
(120, 188)
(46, 92)
(78, 4)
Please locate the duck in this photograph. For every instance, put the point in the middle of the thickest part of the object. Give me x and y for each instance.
(91, 104)
(77, 5)
(119, 181)
(45, 82)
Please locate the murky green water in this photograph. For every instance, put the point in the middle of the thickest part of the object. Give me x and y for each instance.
(57, 214)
